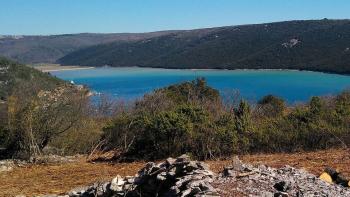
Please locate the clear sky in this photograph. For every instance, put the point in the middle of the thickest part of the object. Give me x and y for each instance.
(34, 17)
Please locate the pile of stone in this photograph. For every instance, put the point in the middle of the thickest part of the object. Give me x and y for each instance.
(173, 177)
(184, 177)
(265, 181)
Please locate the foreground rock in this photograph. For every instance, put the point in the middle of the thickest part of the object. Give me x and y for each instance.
(174, 177)
(265, 181)
(333, 176)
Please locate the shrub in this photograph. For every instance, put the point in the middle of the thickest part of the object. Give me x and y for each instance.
(272, 106)
(35, 119)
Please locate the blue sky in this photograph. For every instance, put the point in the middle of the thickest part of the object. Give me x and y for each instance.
(42, 17)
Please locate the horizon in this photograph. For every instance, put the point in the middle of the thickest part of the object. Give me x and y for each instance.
(42, 18)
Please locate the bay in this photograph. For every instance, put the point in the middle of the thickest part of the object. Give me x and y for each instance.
(132, 82)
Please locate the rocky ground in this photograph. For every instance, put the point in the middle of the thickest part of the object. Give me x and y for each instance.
(184, 177)
(261, 180)
(180, 177)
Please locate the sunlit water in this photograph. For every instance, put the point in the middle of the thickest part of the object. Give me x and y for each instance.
(131, 83)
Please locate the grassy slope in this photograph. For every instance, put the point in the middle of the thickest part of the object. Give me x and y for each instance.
(323, 46)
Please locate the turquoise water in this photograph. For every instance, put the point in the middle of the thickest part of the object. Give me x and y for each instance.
(131, 83)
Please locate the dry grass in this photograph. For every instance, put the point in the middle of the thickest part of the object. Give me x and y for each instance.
(57, 179)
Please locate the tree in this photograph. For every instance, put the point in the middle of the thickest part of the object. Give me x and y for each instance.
(342, 103)
(243, 124)
(272, 106)
(194, 91)
(316, 106)
(34, 120)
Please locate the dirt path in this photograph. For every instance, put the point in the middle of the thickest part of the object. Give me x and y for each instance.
(57, 179)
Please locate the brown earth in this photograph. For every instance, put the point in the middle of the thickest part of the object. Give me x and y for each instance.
(60, 178)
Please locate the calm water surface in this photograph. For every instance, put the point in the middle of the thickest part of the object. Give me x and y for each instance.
(131, 83)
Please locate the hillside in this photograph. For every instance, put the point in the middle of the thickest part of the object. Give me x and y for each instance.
(319, 45)
(17, 77)
(13, 74)
(47, 49)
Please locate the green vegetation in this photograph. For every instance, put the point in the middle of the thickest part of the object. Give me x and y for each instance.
(317, 45)
(13, 74)
(40, 114)
(37, 109)
(190, 118)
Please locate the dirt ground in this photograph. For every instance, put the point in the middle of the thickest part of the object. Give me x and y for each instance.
(60, 178)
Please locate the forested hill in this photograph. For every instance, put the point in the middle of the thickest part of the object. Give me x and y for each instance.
(319, 45)
(47, 49)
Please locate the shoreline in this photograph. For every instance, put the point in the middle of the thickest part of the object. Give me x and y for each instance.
(218, 69)
(56, 68)
(65, 69)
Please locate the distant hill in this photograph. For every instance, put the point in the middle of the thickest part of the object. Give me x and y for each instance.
(47, 49)
(318, 45)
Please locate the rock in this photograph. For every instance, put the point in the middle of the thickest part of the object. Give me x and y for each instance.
(191, 166)
(77, 191)
(161, 176)
(235, 168)
(117, 184)
(183, 159)
(286, 181)
(203, 166)
(326, 177)
(228, 172)
(332, 172)
(281, 194)
(6, 168)
(129, 179)
(170, 161)
(9, 164)
(237, 165)
(205, 186)
(282, 186)
(342, 180)
(333, 176)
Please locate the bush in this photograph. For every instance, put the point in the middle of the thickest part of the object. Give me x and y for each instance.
(190, 118)
(272, 106)
(35, 118)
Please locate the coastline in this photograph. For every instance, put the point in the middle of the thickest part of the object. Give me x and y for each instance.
(64, 69)
(55, 68)
(223, 69)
